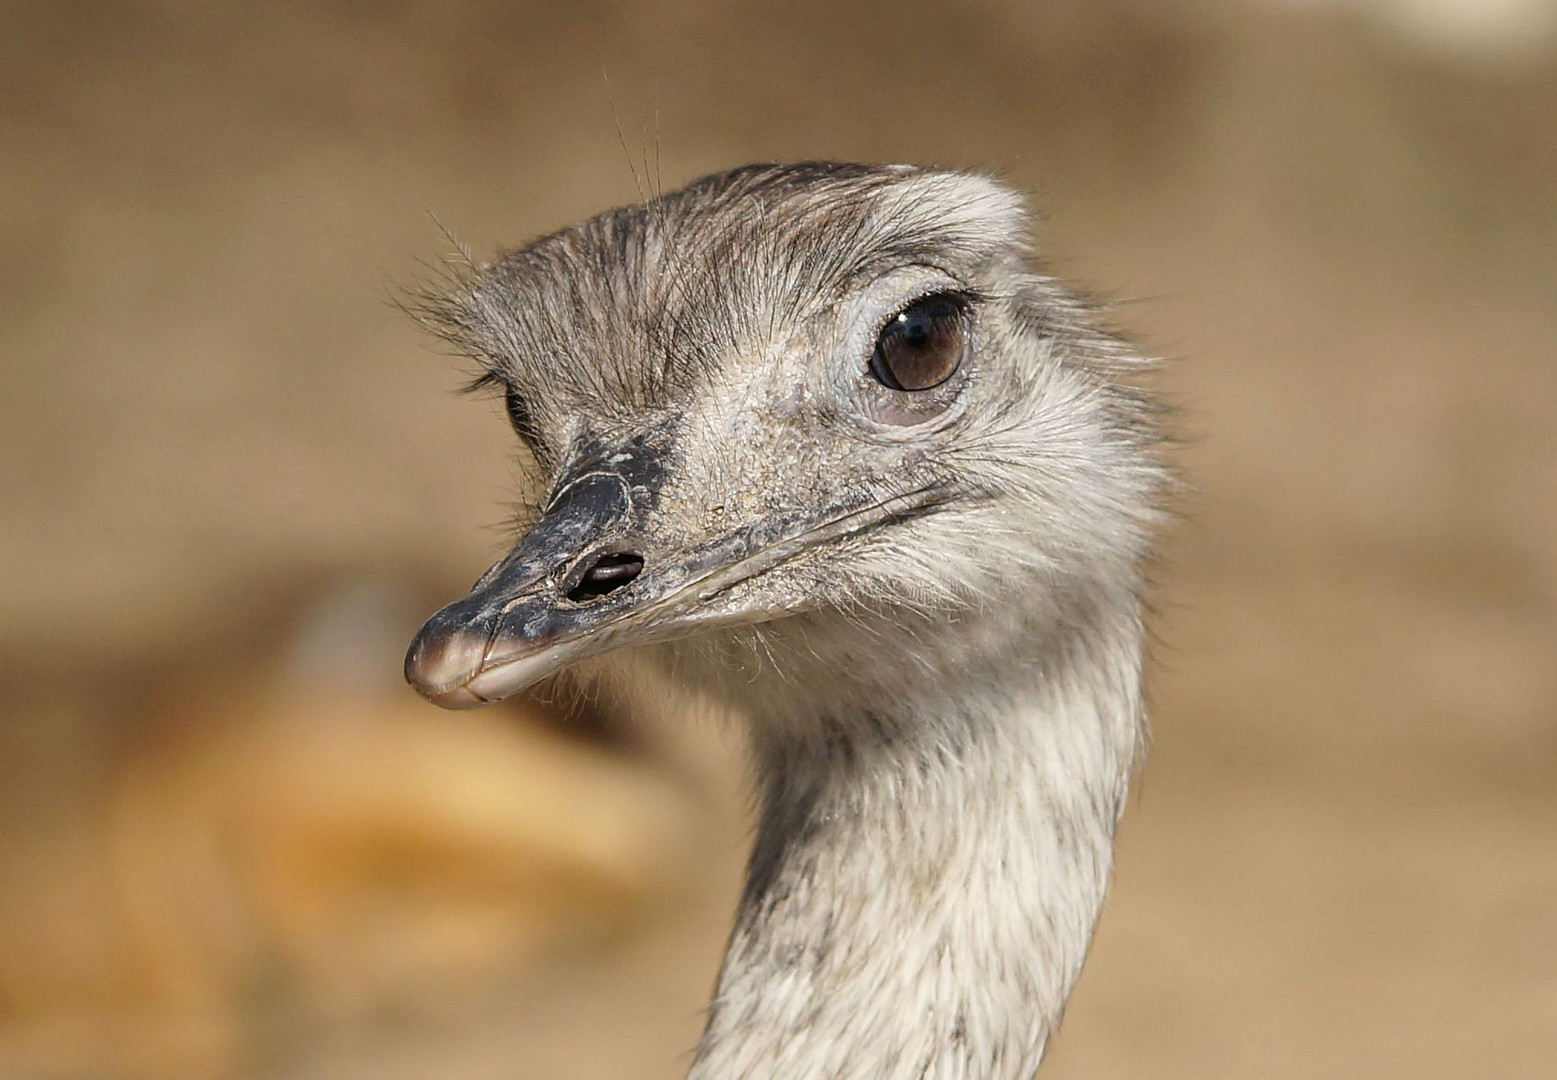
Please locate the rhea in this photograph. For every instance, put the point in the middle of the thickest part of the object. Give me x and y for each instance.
(828, 442)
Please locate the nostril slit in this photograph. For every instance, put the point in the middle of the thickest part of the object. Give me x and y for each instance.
(607, 574)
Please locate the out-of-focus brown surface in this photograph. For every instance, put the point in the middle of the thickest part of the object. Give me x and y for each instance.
(231, 845)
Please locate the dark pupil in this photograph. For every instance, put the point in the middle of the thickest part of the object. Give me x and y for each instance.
(922, 345)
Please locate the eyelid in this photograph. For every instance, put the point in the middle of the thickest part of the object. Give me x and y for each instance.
(965, 298)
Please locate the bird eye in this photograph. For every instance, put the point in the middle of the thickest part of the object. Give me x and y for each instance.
(922, 345)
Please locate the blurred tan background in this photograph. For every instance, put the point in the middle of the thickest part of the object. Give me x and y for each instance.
(232, 844)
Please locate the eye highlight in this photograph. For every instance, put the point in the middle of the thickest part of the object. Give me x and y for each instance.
(922, 345)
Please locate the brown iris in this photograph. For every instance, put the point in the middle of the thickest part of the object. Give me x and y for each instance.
(922, 345)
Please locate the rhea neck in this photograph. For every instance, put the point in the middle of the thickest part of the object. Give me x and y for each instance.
(928, 869)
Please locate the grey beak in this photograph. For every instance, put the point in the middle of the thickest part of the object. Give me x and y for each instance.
(596, 571)
(569, 577)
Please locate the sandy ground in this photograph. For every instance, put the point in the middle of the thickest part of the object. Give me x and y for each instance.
(234, 478)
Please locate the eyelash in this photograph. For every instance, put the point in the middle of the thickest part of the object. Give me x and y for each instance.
(518, 414)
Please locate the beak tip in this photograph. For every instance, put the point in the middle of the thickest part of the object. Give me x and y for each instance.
(442, 661)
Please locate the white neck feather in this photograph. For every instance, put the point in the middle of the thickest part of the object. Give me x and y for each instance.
(924, 886)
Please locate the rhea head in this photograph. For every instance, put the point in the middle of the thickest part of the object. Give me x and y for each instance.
(829, 409)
